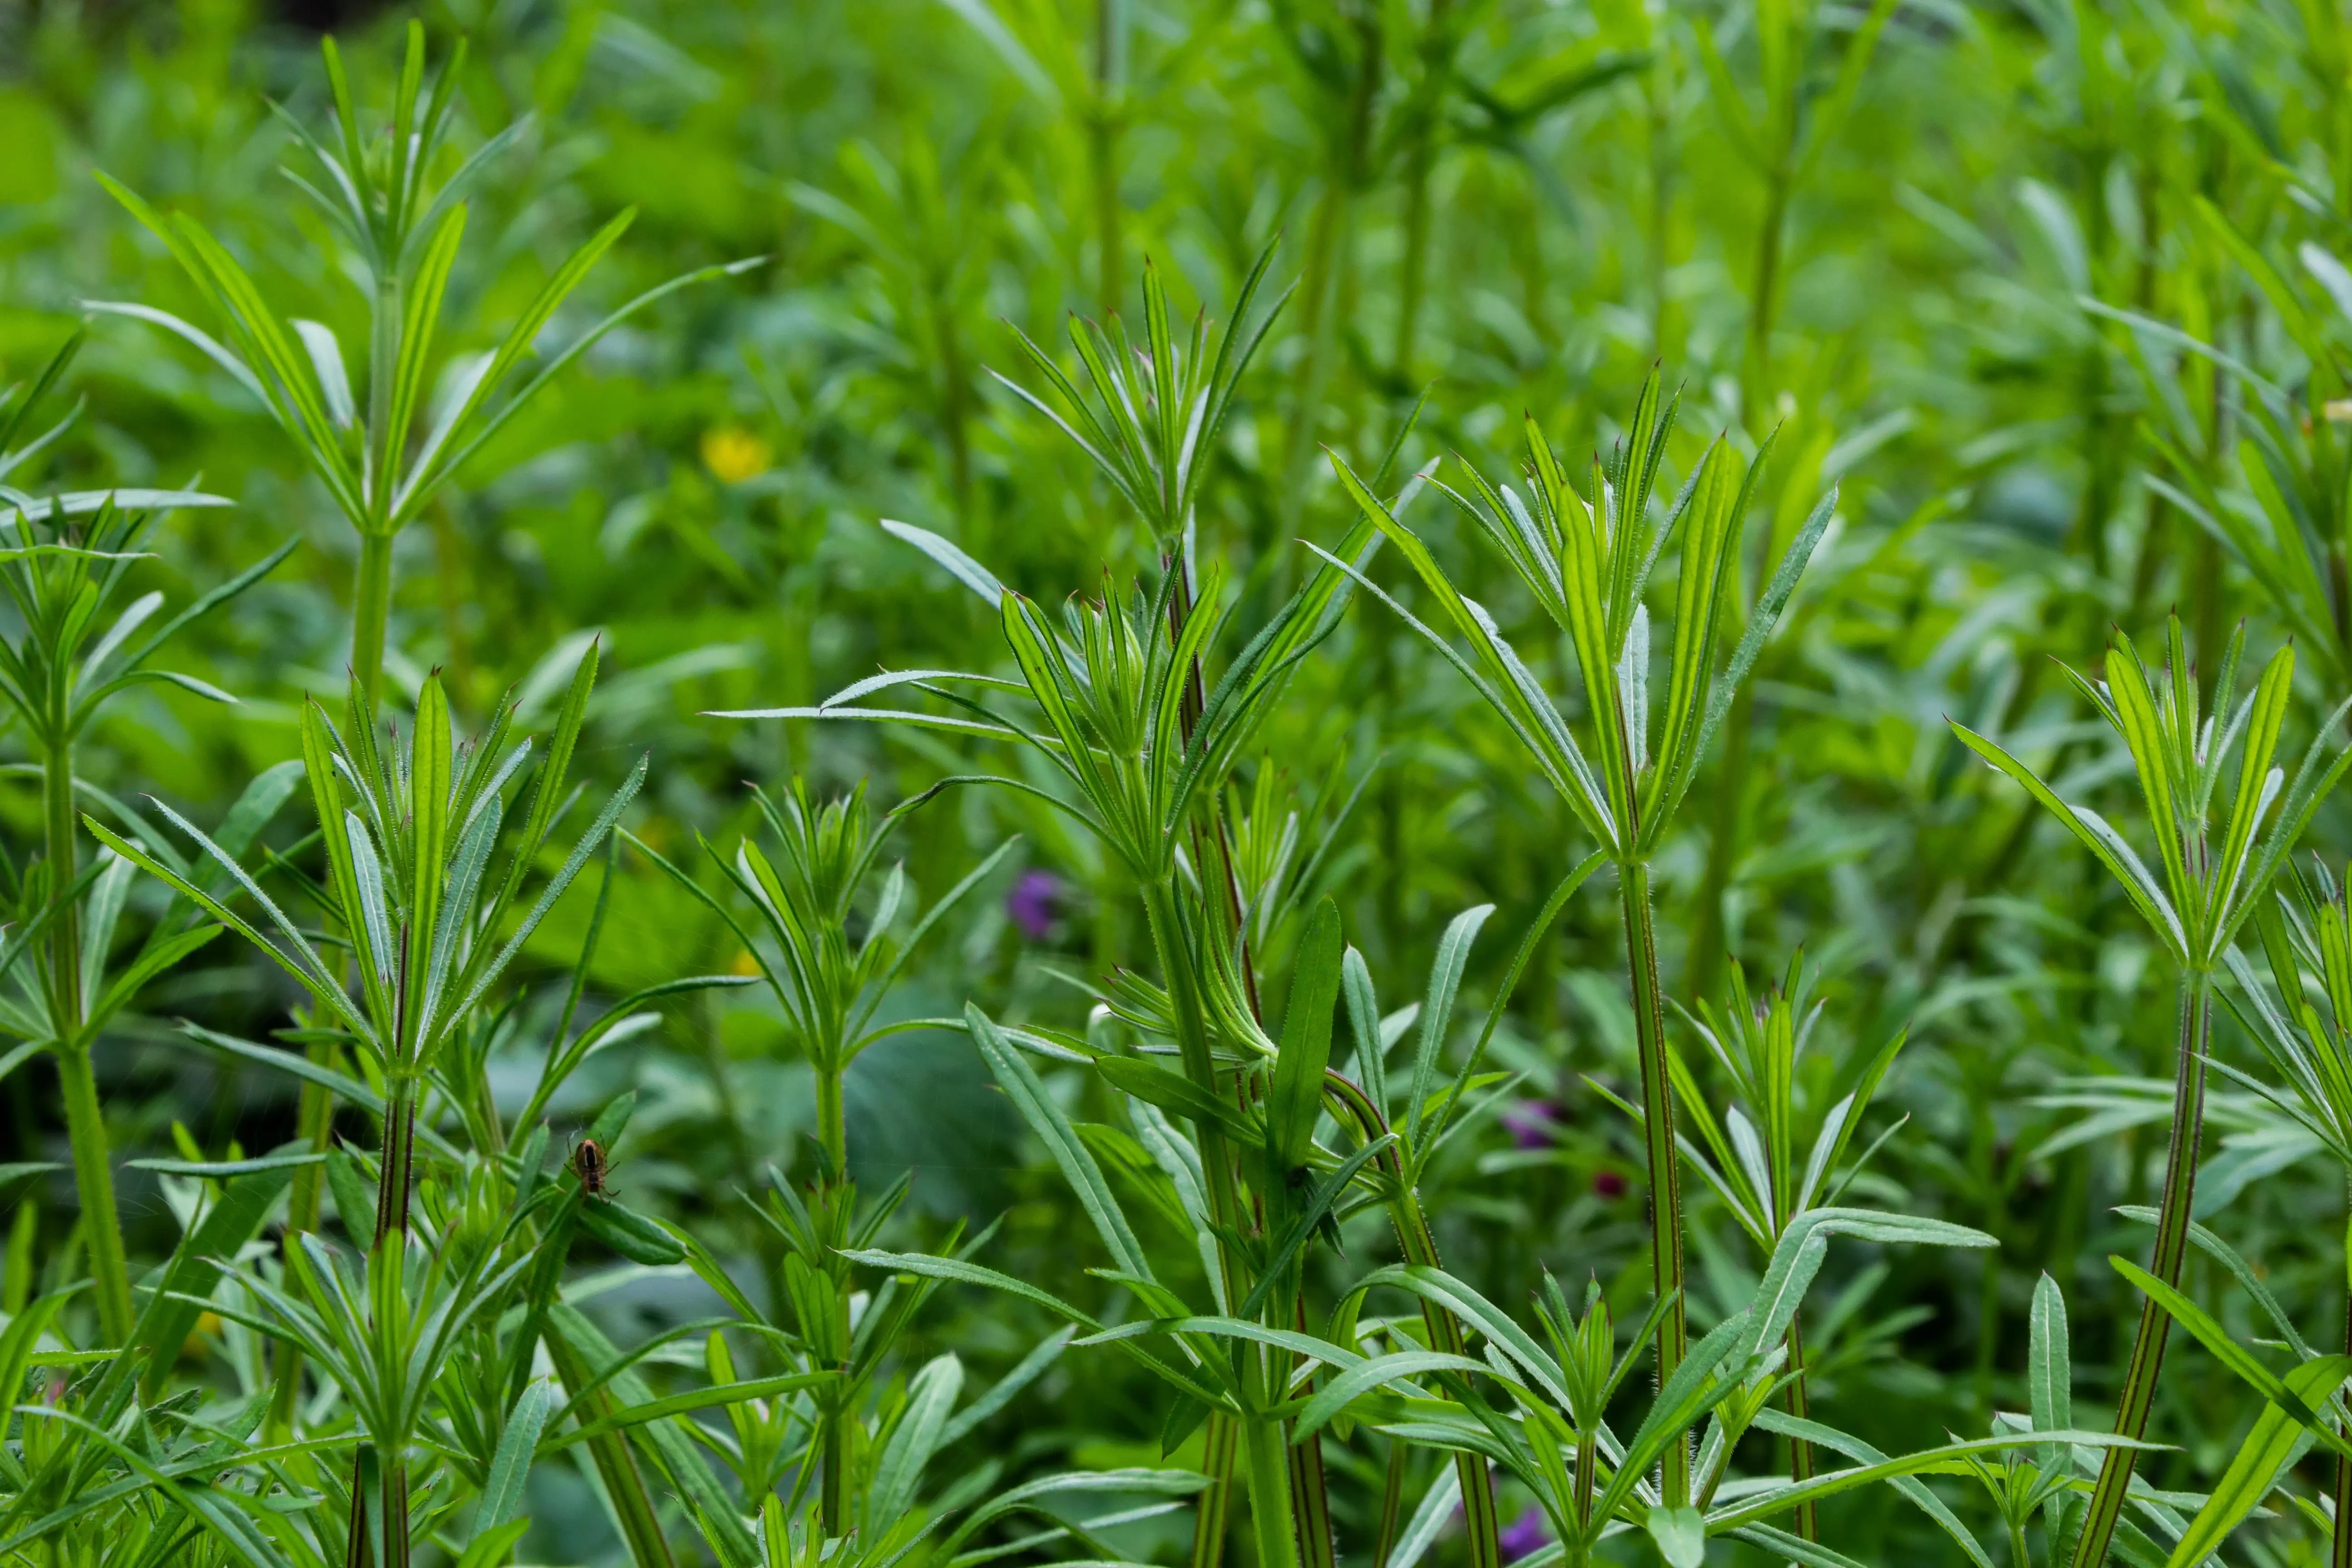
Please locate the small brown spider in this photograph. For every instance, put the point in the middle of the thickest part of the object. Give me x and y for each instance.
(588, 1164)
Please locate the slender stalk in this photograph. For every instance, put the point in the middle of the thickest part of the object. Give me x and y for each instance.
(1268, 1461)
(1327, 246)
(1418, 1245)
(1391, 1503)
(1800, 1452)
(1102, 146)
(84, 1118)
(1658, 1140)
(370, 608)
(1419, 158)
(395, 1167)
(2340, 1553)
(616, 1461)
(2171, 1248)
(94, 1183)
(451, 589)
(1263, 1452)
(1658, 98)
(1763, 302)
(1214, 1513)
(1710, 945)
(831, 1196)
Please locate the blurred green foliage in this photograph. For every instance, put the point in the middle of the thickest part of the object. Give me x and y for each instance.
(1936, 245)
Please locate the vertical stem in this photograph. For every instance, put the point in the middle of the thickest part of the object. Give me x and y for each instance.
(1658, 94)
(1102, 146)
(450, 589)
(2340, 1553)
(1418, 1244)
(1215, 1509)
(1762, 307)
(84, 1118)
(1800, 1452)
(1326, 242)
(1418, 161)
(370, 607)
(616, 1461)
(2171, 1247)
(1391, 1503)
(393, 1170)
(1658, 1140)
(831, 1193)
(1711, 932)
(1261, 1441)
(1267, 1458)
(94, 1183)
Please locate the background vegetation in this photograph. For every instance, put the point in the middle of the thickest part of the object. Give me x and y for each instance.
(2049, 292)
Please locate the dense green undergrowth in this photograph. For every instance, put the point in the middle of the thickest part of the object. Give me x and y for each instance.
(1281, 781)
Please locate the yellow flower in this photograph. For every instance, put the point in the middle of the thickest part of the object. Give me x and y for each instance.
(734, 454)
(744, 964)
(207, 1323)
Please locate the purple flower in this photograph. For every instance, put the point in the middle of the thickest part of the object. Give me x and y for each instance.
(1530, 1124)
(1523, 1535)
(1029, 903)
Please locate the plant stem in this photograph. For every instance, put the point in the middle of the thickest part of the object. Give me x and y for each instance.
(1391, 1503)
(94, 1183)
(2171, 1247)
(1658, 1140)
(1102, 146)
(1268, 1459)
(616, 1462)
(1762, 306)
(394, 1168)
(1210, 1520)
(2340, 1553)
(1710, 945)
(1658, 98)
(370, 608)
(84, 1118)
(1800, 1452)
(1261, 1441)
(1422, 154)
(1418, 1244)
(831, 1192)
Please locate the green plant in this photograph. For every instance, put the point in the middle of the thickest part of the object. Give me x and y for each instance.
(404, 221)
(65, 563)
(2212, 883)
(1587, 562)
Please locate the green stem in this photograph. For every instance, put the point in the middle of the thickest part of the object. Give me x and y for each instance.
(84, 1118)
(1658, 1140)
(94, 1183)
(1260, 1440)
(1658, 99)
(1268, 1459)
(1710, 945)
(370, 608)
(1418, 162)
(2171, 1248)
(616, 1461)
(2340, 1537)
(831, 1193)
(1391, 1503)
(1800, 1452)
(1762, 306)
(1220, 1443)
(1419, 1243)
(395, 1167)
(1102, 146)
